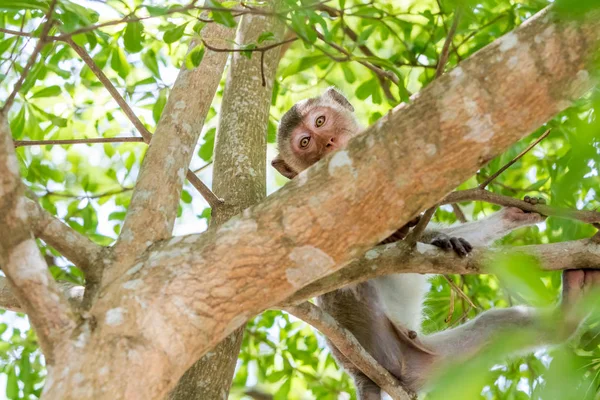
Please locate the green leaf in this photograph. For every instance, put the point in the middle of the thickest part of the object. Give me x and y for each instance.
(302, 64)
(206, 150)
(186, 197)
(174, 34)
(12, 384)
(159, 106)
(348, 73)
(150, 61)
(198, 27)
(194, 57)
(48, 91)
(118, 62)
(20, 5)
(248, 50)
(220, 17)
(284, 390)
(133, 37)
(17, 124)
(263, 37)
(206, 214)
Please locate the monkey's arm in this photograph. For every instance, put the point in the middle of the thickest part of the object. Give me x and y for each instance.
(485, 231)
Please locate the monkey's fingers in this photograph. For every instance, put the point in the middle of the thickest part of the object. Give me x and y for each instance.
(458, 247)
(468, 247)
(443, 243)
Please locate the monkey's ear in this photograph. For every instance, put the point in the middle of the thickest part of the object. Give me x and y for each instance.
(283, 168)
(339, 98)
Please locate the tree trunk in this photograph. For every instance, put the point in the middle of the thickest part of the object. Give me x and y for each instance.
(239, 177)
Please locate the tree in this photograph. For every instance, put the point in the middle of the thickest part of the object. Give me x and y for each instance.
(148, 304)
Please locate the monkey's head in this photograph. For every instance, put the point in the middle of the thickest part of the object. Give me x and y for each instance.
(311, 129)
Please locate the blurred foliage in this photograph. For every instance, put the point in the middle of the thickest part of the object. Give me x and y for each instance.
(89, 186)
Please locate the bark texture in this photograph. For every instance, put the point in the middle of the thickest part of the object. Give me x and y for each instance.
(25, 268)
(239, 178)
(153, 209)
(182, 296)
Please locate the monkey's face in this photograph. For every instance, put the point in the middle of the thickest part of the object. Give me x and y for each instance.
(323, 129)
(312, 129)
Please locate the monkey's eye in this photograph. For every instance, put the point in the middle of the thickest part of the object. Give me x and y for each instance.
(304, 142)
(320, 121)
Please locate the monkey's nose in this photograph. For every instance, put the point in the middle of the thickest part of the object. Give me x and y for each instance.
(331, 143)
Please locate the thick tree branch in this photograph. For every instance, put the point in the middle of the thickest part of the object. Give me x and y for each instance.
(315, 225)
(400, 257)
(8, 301)
(74, 246)
(156, 195)
(21, 261)
(347, 344)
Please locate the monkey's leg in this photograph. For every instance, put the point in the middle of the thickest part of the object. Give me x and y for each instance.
(366, 389)
(466, 340)
(402, 298)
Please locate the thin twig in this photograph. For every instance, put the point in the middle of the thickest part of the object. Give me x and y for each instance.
(91, 196)
(414, 236)
(460, 215)
(16, 33)
(87, 59)
(333, 12)
(14, 48)
(208, 195)
(458, 290)
(211, 198)
(202, 168)
(477, 194)
(261, 50)
(446, 48)
(38, 47)
(65, 142)
(514, 160)
(377, 70)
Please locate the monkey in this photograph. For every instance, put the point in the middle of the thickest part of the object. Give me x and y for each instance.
(385, 313)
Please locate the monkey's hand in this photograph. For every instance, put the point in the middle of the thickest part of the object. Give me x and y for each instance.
(459, 245)
(516, 217)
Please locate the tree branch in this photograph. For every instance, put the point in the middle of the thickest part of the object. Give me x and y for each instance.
(347, 344)
(21, 261)
(146, 135)
(477, 194)
(65, 142)
(399, 257)
(157, 193)
(514, 160)
(74, 246)
(240, 152)
(8, 301)
(446, 48)
(36, 50)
